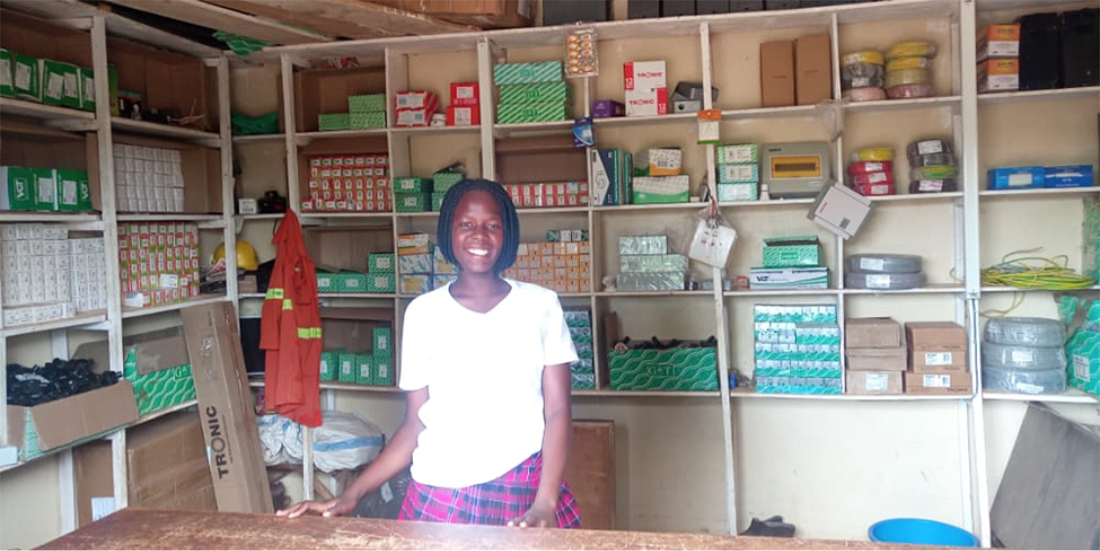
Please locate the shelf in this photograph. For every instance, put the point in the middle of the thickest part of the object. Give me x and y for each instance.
(258, 138)
(902, 104)
(1070, 396)
(1015, 290)
(917, 197)
(70, 117)
(780, 292)
(765, 204)
(436, 130)
(304, 138)
(931, 289)
(161, 413)
(269, 216)
(551, 210)
(643, 120)
(169, 217)
(1032, 95)
(84, 220)
(347, 215)
(659, 206)
(87, 318)
(649, 294)
(357, 295)
(592, 393)
(532, 128)
(1049, 192)
(203, 299)
(748, 393)
(243, 296)
(144, 128)
(769, 112)
(333, 385)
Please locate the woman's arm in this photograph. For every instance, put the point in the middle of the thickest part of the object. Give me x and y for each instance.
(556, 439)
(395, 456)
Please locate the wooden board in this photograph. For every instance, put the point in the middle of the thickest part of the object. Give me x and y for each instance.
(345, 18)
(590, 473)
(218, 18)
(149, 529)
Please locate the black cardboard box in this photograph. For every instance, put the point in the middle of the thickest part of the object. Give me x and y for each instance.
(565, 12)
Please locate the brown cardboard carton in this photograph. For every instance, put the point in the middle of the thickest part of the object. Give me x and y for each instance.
(876, 359)
(226, 408)
(936, 346)
(873, 382)
(156, 350)
(777, 74)
(69, 419)
(937, 382)
(872, 333)
(813, 72)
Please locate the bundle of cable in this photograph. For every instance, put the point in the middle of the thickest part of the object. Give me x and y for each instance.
(908, 70)
(862, 76)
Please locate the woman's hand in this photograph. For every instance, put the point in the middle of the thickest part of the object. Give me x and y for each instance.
(538, 516)
(336, 507)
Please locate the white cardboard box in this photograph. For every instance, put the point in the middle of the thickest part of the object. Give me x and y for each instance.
(840, 210)
(644, 75)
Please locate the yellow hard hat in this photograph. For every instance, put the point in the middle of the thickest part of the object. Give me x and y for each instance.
(246, 255)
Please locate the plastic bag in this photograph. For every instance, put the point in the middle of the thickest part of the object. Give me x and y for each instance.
(343, 441)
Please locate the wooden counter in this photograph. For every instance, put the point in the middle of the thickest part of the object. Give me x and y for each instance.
(154, 529)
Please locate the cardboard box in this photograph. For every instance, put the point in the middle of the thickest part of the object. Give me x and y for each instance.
(999, 41)
(777, 74)
(872, 333)
(869, 383)
(26, 79)
(937, 382)
(876, 359)
(6, 88)
(840, 210)
(644, 75)
(70, 419)
(936, 346)
(226, 408)
(17, 185)
(813, 72)
(647, 102)
(996, 75)
(60, 83)
(465, 94)
(459, 115)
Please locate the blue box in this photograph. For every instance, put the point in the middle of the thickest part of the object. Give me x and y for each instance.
(1068, 176)
(1019, 177)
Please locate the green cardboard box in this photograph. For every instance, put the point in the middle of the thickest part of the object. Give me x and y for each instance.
(412, 202)
(365, 121)
(513, 113)
(381, 263)
(351, 282)
(653, 263)
(523, 73)
(60, 83)
(333, 121)
(87, 89)
(348, 367)
(790, 252)
(367, 103)
(25, 77)
(556, 92)
(381, 283)
(328, 365)
(7, 89)
(694, 369)
(383, 370)
(736, 154)
(437, 201)
(73, 192)
(583, 381)
(647, 198)
(112, 88)
(383, 341)
(364, 372)
(18, 188)
(412, 184)
(327, 282)
(445, 179)
(45, 189)
(738, 192)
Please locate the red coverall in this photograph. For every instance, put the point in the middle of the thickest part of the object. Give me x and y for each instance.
(291, 330)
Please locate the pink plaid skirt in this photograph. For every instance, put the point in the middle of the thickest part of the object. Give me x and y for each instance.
(494, 502)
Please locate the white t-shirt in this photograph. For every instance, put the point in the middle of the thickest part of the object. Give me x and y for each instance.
(484, 413)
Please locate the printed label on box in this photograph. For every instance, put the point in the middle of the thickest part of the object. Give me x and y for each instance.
(937, 358)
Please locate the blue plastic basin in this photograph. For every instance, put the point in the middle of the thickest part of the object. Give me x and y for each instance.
(920, 531)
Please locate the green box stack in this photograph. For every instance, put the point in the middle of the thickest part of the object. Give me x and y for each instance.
(159, 389)
(797, 349)
(45, 189)
(446, 179)
(738, 173)
(532, 92)
(367, 111)
(25, 77)
(437, 201)
(792, 252)
(351, 282)
(7, 89)
(327, 282)
(381, 283)
(328, 365)
(327, 122)
(60, 83)
(412, 202)
(412, 184)
(383, 357)
(674, 369)
(381, 263)
(348, 367)
(73, 192)
(87, 88)
(582, 371)
(364, 371)
(1083, 352)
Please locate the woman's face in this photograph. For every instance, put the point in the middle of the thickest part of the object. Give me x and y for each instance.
(477, 232)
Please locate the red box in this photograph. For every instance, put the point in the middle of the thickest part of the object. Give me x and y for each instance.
(463, 115)
(464, 94)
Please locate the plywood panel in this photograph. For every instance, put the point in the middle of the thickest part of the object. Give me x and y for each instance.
(591, 473)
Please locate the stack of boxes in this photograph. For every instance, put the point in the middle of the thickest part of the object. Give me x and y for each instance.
(937, 358)
(48, 276)
(44, 189)
(335, 281)
(1083, 352)
(367, 111)
(797, 349)
(612, 176)
(421, 264)
(411, 194)
(563, 263)
(583, 371)
(551, 194)
(657, 177)
(442, 182)
(790, 263)
(646, 88)
(646, 265)
(415, 108)
(158, 263)
(47, 81)
(148, 179)
(532, 92)
(738, 173)
(374, 367)
(876, 356)
(872, 178)
(999, 58)
(465, 107)
(381, 273)
(796, 72)
(348, 183)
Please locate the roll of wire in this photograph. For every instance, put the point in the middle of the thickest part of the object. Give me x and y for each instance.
(857, 70)
(915, 48)
(907, 76)
(864, 82)
(911, 91)
(933, 186)
(872, 57)
(908, 62)
(932, 172)
(873, 154)
(865, 94)
(864, 167)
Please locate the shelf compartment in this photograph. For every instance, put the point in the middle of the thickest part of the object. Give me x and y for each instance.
(777, 203)
(436, 130)
(258, 138)
(268, 216)
(347, 215)
(169, 217)
(903, 104)
(768, 112)
(86, 318)
(66, 116)
(671, 118)
(932, 289)
(532, 128)
(750, 293)
(305, 138)
(202, 299)
(1033, 95)
(88, 220)
(1070, 396)
(1015, 290)
(915, 197)
(1040, 192)
(752, 394)
(144, 128)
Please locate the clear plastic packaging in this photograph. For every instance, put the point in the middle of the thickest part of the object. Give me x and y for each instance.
(932, 159)
(1026, 331)
(884, 263)
(861, 70)
(863, 82)
(865, 94)
(927, 146)
(911, 91)
(915, 48)
(873, 57)
(1043, 381)
(890, 282)
(581, 58)
(933, 186)
(1032, 358)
